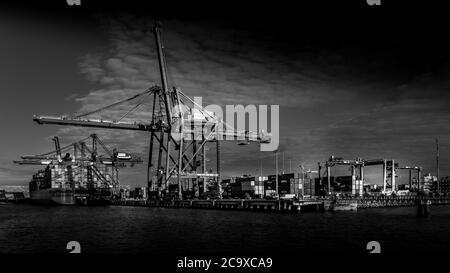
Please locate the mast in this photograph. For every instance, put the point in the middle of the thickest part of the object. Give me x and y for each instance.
(276, 171)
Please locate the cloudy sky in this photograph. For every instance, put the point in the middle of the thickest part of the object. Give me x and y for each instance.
(352, 83)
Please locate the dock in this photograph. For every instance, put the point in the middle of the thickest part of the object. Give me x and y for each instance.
(284, 205)
(229, 204)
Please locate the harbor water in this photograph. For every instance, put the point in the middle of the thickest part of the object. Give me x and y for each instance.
(116, 229)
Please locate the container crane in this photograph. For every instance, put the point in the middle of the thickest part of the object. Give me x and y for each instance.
(90, 163)
(181, 134)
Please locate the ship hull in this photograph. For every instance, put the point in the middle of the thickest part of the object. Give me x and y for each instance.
(52, 197)
(56, 185)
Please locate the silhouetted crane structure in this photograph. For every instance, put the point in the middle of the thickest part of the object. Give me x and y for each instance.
(178, 126)
(388, 178)
(389, 166)
(357, 184)
(412, 169)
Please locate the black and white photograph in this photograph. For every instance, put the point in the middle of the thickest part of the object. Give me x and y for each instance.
(224, 135)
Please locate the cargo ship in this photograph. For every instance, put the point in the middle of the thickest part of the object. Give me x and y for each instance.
(88, 176)
(64, 185)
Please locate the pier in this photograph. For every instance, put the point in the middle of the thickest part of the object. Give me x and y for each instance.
(399, 201)
(229, 204)
(284, 205)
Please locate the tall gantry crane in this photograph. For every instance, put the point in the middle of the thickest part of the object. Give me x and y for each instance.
(178, 126)
(79, 157)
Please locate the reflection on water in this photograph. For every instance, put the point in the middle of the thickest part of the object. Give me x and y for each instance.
(27, 228)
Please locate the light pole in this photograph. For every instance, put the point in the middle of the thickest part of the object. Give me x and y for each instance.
(302, 168)
(276, 172)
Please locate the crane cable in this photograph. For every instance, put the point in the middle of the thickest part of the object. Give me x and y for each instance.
(150, 90)
(135, 107)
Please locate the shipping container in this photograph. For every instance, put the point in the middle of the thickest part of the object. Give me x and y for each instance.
(248, 185)
(244, 179)
(320, 186)
(269, 193)
(259, 190)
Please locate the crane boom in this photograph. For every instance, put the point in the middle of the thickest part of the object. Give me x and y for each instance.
(54, 157)
(91, 123)
(225, 135)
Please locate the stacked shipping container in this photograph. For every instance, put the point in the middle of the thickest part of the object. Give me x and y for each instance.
(264, 186)
(61, 177)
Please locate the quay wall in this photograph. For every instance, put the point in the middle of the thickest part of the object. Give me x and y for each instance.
(389, 201)
(284, 205)
(230, 204)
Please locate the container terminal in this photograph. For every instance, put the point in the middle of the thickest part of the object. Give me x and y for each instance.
(177, 173)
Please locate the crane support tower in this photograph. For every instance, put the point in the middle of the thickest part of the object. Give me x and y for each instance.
(179, 130)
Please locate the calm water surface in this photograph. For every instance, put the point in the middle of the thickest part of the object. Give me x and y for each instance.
(114, 229)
